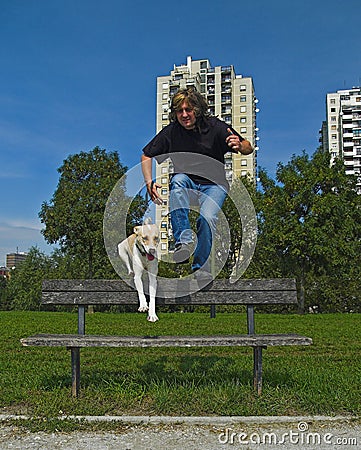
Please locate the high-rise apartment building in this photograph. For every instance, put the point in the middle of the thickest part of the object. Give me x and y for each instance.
(14, 259)
(230, 97)
(341, 132)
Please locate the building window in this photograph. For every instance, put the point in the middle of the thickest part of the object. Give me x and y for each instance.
(243, 119)
(333, 101)
(164, 246)
(164, 180)
(243, 162)
(244, 173)
(164, 191)
(243, 109)
(164, 169)
(333, 119)
(165, 117)
(243, 130)
(242, 87)
(333, 110)
(164, 235)
(165, 96)
(334, 136)
(163, 225)
(333, 127)
(165, 85)
(243, 98)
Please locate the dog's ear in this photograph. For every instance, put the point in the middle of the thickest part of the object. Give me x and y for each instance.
(136, 229)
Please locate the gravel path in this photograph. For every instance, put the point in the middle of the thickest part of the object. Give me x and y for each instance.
(270, 434)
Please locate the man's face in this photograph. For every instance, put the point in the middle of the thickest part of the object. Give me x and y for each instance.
(186, 116)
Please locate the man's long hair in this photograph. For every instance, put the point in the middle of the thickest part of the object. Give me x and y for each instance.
(193, 98)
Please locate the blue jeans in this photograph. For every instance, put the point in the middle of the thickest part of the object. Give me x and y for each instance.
(210, 197)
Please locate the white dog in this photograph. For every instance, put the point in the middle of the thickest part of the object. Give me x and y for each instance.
(139, 253)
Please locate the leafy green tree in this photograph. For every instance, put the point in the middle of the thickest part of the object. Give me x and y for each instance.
(74, 216)
(310, 223)
(23, 290)
(234, 220)
(3, 300)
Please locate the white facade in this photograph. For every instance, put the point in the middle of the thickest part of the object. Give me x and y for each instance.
(343, 135)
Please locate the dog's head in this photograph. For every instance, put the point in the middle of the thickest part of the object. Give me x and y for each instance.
(147, 237)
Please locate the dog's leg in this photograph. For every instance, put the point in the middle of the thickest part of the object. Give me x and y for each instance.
(143, 306)
(152, 317)
(124, 256)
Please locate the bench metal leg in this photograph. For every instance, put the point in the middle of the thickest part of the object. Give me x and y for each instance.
(257, 369)
(75, 371)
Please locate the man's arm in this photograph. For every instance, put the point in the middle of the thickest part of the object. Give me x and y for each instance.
(237, 145)
(146, 162)
(246, 147)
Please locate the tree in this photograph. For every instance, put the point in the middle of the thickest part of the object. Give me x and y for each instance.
(240, 221)
(23, 290)
(309, 222)
(74, 216)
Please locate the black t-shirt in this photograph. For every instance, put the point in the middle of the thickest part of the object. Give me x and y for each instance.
(183, 146)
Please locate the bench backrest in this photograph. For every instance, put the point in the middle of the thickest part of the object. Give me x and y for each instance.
(222, 292)
(249, 292)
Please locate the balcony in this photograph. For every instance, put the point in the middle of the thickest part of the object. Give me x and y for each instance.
(227, 119)
(226, 110)
(226, 99)
(191, 81)
(226, 89)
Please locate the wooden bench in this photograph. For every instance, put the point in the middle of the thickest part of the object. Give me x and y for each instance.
(249, 292)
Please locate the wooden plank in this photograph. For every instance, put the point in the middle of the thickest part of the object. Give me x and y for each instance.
(86, 285)
(61, 340)
(171, 292)
(89, 298)
(167, 285)
(198, 298)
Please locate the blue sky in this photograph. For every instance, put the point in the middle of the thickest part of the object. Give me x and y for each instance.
(76, 74)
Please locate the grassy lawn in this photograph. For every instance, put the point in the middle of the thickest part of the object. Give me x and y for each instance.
(321, 379)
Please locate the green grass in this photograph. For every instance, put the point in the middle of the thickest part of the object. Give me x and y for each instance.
(321, 379)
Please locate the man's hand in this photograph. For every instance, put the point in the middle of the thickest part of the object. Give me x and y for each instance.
(152, 187)
(150, 184)
(236, 145)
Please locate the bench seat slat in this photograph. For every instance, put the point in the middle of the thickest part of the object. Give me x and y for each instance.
(61, 340)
